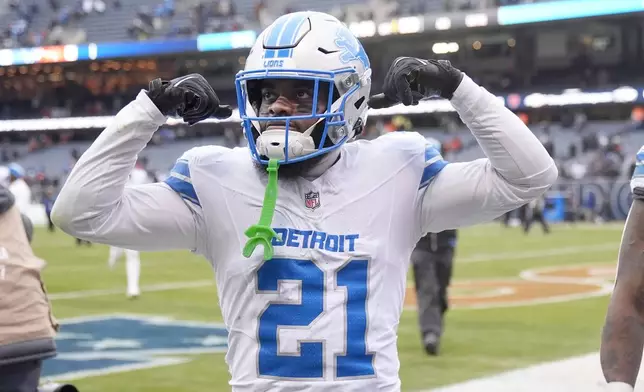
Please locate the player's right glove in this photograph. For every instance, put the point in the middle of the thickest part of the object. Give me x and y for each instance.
(190, 97)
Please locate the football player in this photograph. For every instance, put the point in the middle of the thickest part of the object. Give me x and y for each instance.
(623, 334)
(316, 307)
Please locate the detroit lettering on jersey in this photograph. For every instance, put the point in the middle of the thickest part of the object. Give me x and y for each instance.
(311, 239)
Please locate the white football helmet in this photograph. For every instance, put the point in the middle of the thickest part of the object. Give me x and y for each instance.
(311, 46)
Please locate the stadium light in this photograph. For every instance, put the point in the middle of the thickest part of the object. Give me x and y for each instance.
(514, 101)
(445, 47)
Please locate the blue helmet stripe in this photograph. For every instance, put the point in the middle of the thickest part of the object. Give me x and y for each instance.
(274, 34)
(295, 35)
(284, 33)
(290, 31)
(287, 37)
(273, 37)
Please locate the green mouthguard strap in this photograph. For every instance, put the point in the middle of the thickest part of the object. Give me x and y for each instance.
(262, 233)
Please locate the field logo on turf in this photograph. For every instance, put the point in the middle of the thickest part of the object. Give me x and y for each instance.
(99, 345)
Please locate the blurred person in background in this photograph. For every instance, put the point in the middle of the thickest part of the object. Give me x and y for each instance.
(138, 176)
(19, 187)
(27, 326)
(432, 261)
(80, 242)
(48, 199)
(534, 211)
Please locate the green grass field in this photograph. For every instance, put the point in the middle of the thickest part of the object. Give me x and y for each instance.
(477, 342)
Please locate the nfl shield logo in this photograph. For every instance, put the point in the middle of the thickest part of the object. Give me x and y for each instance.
(312, 200)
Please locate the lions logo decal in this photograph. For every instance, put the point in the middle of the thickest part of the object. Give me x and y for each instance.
(351, 48)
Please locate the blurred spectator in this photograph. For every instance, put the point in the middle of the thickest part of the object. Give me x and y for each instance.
(19, 188)
(47, 200)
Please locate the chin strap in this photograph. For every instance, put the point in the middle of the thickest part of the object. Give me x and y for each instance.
(262, 233)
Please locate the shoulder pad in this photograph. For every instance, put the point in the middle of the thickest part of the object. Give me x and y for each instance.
(203, 152)
(417, 144)
(413, 144)
(180, 180)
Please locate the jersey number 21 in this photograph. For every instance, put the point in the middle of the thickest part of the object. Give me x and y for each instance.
(354, 362)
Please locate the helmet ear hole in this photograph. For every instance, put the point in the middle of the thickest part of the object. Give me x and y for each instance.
(358, 127)
(359, 102)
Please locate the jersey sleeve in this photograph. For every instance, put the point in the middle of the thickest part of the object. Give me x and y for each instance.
(433, 165)
(517, 169)
(637, 180)
(180, 181)
(96, 203)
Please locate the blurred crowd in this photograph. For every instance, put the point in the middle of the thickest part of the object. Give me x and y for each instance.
(65, 18)
(63, 25)
(582, 152)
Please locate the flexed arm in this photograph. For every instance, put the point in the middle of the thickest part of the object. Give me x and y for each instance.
(95, 203)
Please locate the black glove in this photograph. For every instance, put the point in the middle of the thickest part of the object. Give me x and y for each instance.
(6, 199)
(410, 79)
(190, 97)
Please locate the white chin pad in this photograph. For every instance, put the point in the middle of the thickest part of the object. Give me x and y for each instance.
(271, 144)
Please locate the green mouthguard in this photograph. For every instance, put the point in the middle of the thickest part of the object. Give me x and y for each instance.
(262, 233)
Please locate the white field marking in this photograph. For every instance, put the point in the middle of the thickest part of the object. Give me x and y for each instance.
(489, 293)
(149, 288)
(477, 258)
(535, 275)
(581, 373)
(514, 255)
(575, 374)
(604, 287)
(494, 229)
(154, 319)
(94, 263)
(601, 291)
(149, 363)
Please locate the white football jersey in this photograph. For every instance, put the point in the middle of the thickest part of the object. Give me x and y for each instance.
(332, 295)
(139, 176)
(322, 314)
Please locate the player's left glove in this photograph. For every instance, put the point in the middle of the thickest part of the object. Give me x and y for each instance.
(410, 79)
(190, 97)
